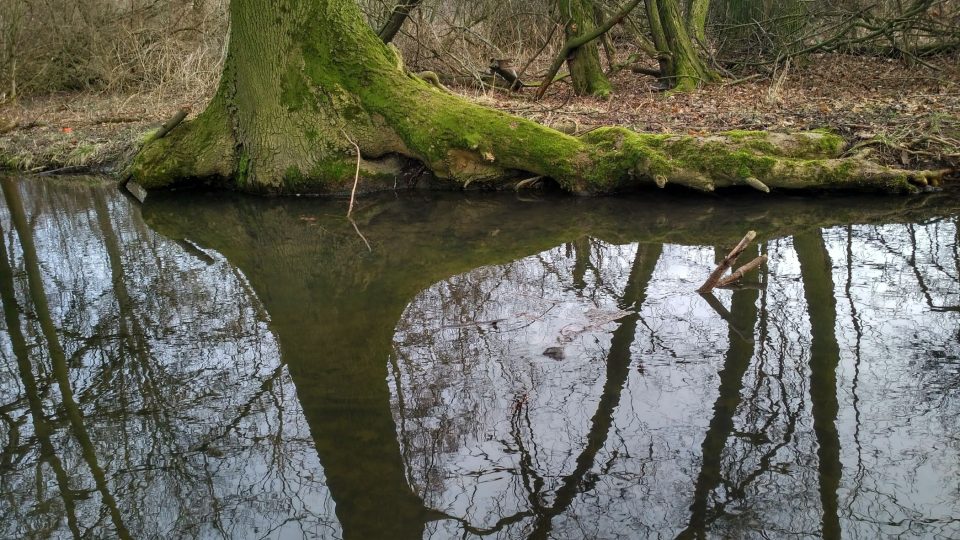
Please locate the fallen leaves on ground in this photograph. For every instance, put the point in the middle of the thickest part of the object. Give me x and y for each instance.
(904, 116)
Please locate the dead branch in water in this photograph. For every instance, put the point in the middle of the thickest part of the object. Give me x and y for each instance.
(717, 278)
(739, 272)
(356, 176)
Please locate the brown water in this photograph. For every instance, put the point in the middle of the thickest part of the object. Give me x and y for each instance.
(216, 366)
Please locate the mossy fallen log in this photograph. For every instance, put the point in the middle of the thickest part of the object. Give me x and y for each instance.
(296, 91)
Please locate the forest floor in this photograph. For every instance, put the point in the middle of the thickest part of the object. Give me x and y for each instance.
(906, 116)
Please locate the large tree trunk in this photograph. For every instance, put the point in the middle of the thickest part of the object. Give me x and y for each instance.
(586, 72)
(697, 11)
(306, 79)
(397, 17)
(761, 27)
(680, 64)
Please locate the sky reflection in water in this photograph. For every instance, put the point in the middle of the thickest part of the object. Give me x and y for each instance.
(218, 366)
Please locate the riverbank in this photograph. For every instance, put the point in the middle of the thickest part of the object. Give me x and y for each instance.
(907, 117)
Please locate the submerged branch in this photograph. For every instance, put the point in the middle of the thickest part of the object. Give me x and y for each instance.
(716, 276)
(738, 274)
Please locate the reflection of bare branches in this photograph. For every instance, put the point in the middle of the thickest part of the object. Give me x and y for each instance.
(243, 411)
(658, 343)
(858, 331)
(41, 425)
(57, 354)
(151, 404)
(532, 480)
(532, 486)
(911, 261)
(618, 366)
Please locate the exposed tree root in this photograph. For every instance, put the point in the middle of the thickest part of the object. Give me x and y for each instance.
(278, 121)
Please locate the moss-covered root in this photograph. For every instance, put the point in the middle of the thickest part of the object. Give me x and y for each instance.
(199, 149)
(762, 161)
(299, 88)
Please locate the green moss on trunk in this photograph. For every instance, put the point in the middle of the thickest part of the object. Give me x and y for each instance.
(205, 151)
(304, 83)
(697, 11)
(680, 64)
(586, 72)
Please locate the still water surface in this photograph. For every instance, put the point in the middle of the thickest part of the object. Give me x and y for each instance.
(215, 366)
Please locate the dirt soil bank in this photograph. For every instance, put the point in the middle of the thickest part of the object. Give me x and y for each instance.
(906, 116)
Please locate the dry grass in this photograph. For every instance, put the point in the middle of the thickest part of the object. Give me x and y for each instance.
(82, 131)
(135, 46)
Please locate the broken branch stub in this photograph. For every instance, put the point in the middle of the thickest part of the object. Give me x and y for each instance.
(740, 272)
(714, 280)
(173, 122)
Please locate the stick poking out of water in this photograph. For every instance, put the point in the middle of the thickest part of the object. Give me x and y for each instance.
(356, 175)
(716, 278)
(353, 192)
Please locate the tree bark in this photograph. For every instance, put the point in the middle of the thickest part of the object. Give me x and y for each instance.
(697, 11)
(586, 72)
(680, 64)
(585, 38)
(397, 17)
(300, 83)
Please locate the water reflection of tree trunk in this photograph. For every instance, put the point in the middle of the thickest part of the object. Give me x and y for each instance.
(133, 344)
(347, 405)
(742, 319)
(817, 276)
(41, 426)
(340, 377)
(58, 357)
(857, 482)
(334, 321)
(334, 306)
(618, 370)
(581, 262)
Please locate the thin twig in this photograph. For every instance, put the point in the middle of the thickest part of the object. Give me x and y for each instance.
(523, 71)
(356, 179)
(743, 80)
(360, 234)
(353, 192)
